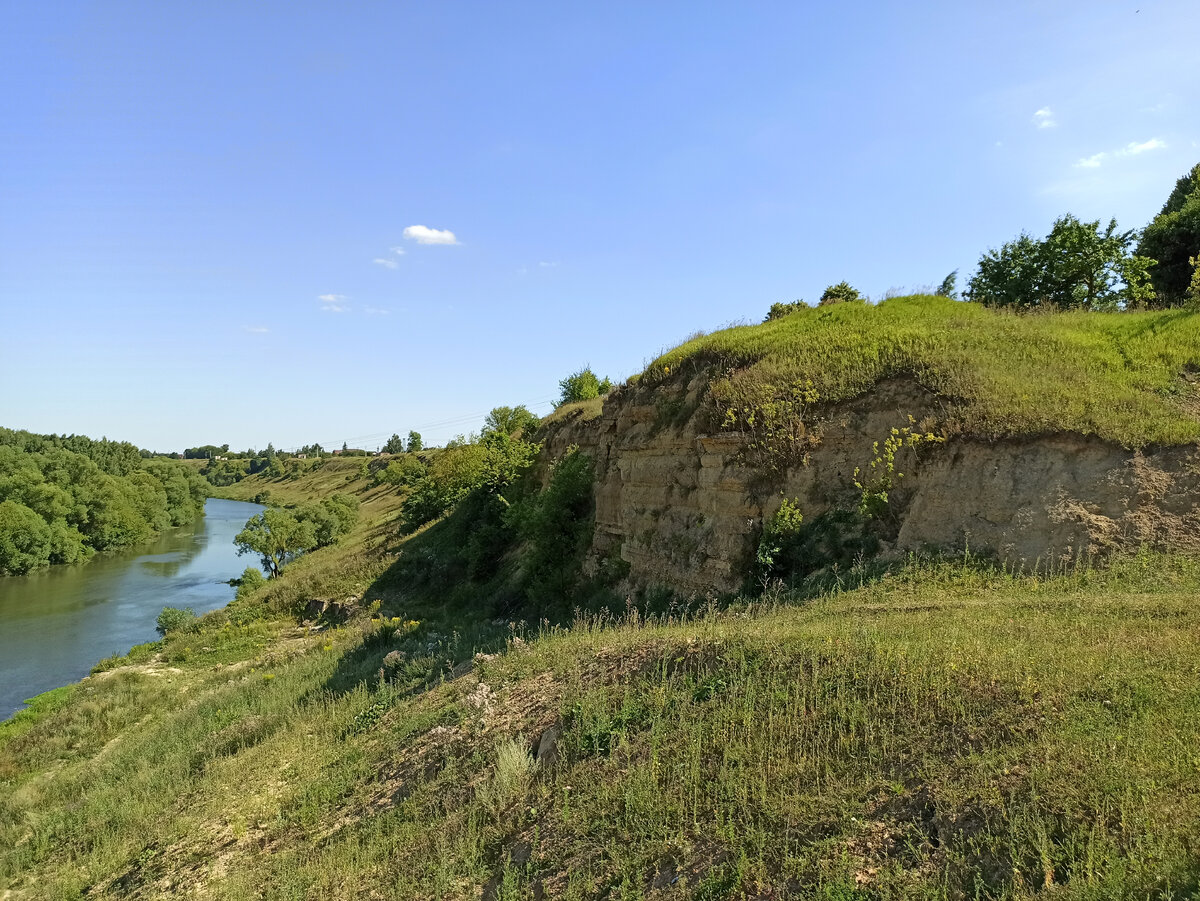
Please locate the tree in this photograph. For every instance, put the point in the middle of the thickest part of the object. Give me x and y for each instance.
(331, 518)
(1076, 266)
(1193, 291)
(509, 421)
(1172, 238)
(840, 293)
(414, 442)
(277, 536)
(25, 539)
(582, 385)
(779, 310)
(395, 445)
(949, 286)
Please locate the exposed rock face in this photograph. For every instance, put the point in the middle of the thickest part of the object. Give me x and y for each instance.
(683, 505)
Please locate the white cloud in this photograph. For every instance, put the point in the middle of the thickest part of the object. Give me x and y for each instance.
(1044, 118)
(386, 263)
(399, 251)
(548, 265)
(1133, 148)
(375, 311)
(423, 235)
(255, 329)
(333, 303)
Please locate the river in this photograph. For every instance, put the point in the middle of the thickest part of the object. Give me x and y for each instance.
(56, 623)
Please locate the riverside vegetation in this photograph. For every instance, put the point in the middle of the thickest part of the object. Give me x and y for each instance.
(62, 498)
(488, 715)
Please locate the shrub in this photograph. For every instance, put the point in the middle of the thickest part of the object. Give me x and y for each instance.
(778, 533)
(490, 465)
(514, 771)
(556, 526)
(405, 471)
(791, 549)
(175, 619)
(840, 293)
(252, 579)
(331, 518)
(582, 385)
(779, 310)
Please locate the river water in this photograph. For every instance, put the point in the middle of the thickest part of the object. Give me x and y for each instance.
(57, 622)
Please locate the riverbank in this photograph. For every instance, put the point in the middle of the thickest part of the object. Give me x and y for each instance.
(56, 623)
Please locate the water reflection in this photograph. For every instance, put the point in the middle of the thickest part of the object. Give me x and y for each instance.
(56, 623)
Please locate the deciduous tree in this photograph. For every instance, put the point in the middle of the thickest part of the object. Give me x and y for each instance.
(277, 536)
(1076, 266)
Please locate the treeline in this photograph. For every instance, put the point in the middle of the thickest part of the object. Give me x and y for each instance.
(1079, 265)
(62, 498)
(1090, 266)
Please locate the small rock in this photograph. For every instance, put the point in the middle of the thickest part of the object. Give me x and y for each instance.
(547, 746)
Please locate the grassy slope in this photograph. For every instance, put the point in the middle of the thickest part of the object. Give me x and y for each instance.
(1113, 375)
(943, 732)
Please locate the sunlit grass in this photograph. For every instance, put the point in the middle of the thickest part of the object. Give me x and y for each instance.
(1114, 375)
(947, 730)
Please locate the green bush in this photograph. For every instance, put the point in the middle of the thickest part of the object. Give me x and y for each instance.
(331, 518)
(491, 464)
(779, 310)
(556, 527)
(405, 471)
(840, 293)
(175, 619)
(582, 385)
(252, 579)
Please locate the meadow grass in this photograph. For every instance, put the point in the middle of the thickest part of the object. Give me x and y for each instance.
(1113, 375)
(947, 730)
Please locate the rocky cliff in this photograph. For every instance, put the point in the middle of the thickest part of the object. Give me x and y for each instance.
(682, 502)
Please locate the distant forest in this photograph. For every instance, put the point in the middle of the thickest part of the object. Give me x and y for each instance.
(62, 498)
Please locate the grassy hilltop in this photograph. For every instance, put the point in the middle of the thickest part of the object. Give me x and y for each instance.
(939, 729)
(1114, 375)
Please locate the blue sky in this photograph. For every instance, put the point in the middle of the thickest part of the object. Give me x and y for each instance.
(296, 222)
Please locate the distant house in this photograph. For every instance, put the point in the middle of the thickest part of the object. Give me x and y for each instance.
(222, 459)
(301, 456)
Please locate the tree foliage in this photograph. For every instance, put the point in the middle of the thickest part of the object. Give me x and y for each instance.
(414, 442)
(490, 465)
(404, 471)
(1076, 266)
(1173, 239)
(779, 310)
(583, 385)
(331, 518)
(277, 536)
(949, 286)
(842, 292)
(63, 498)
(510, 421)
(394, 445)
(205, 452)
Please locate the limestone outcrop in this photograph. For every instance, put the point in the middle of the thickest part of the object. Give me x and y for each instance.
(682, 502)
